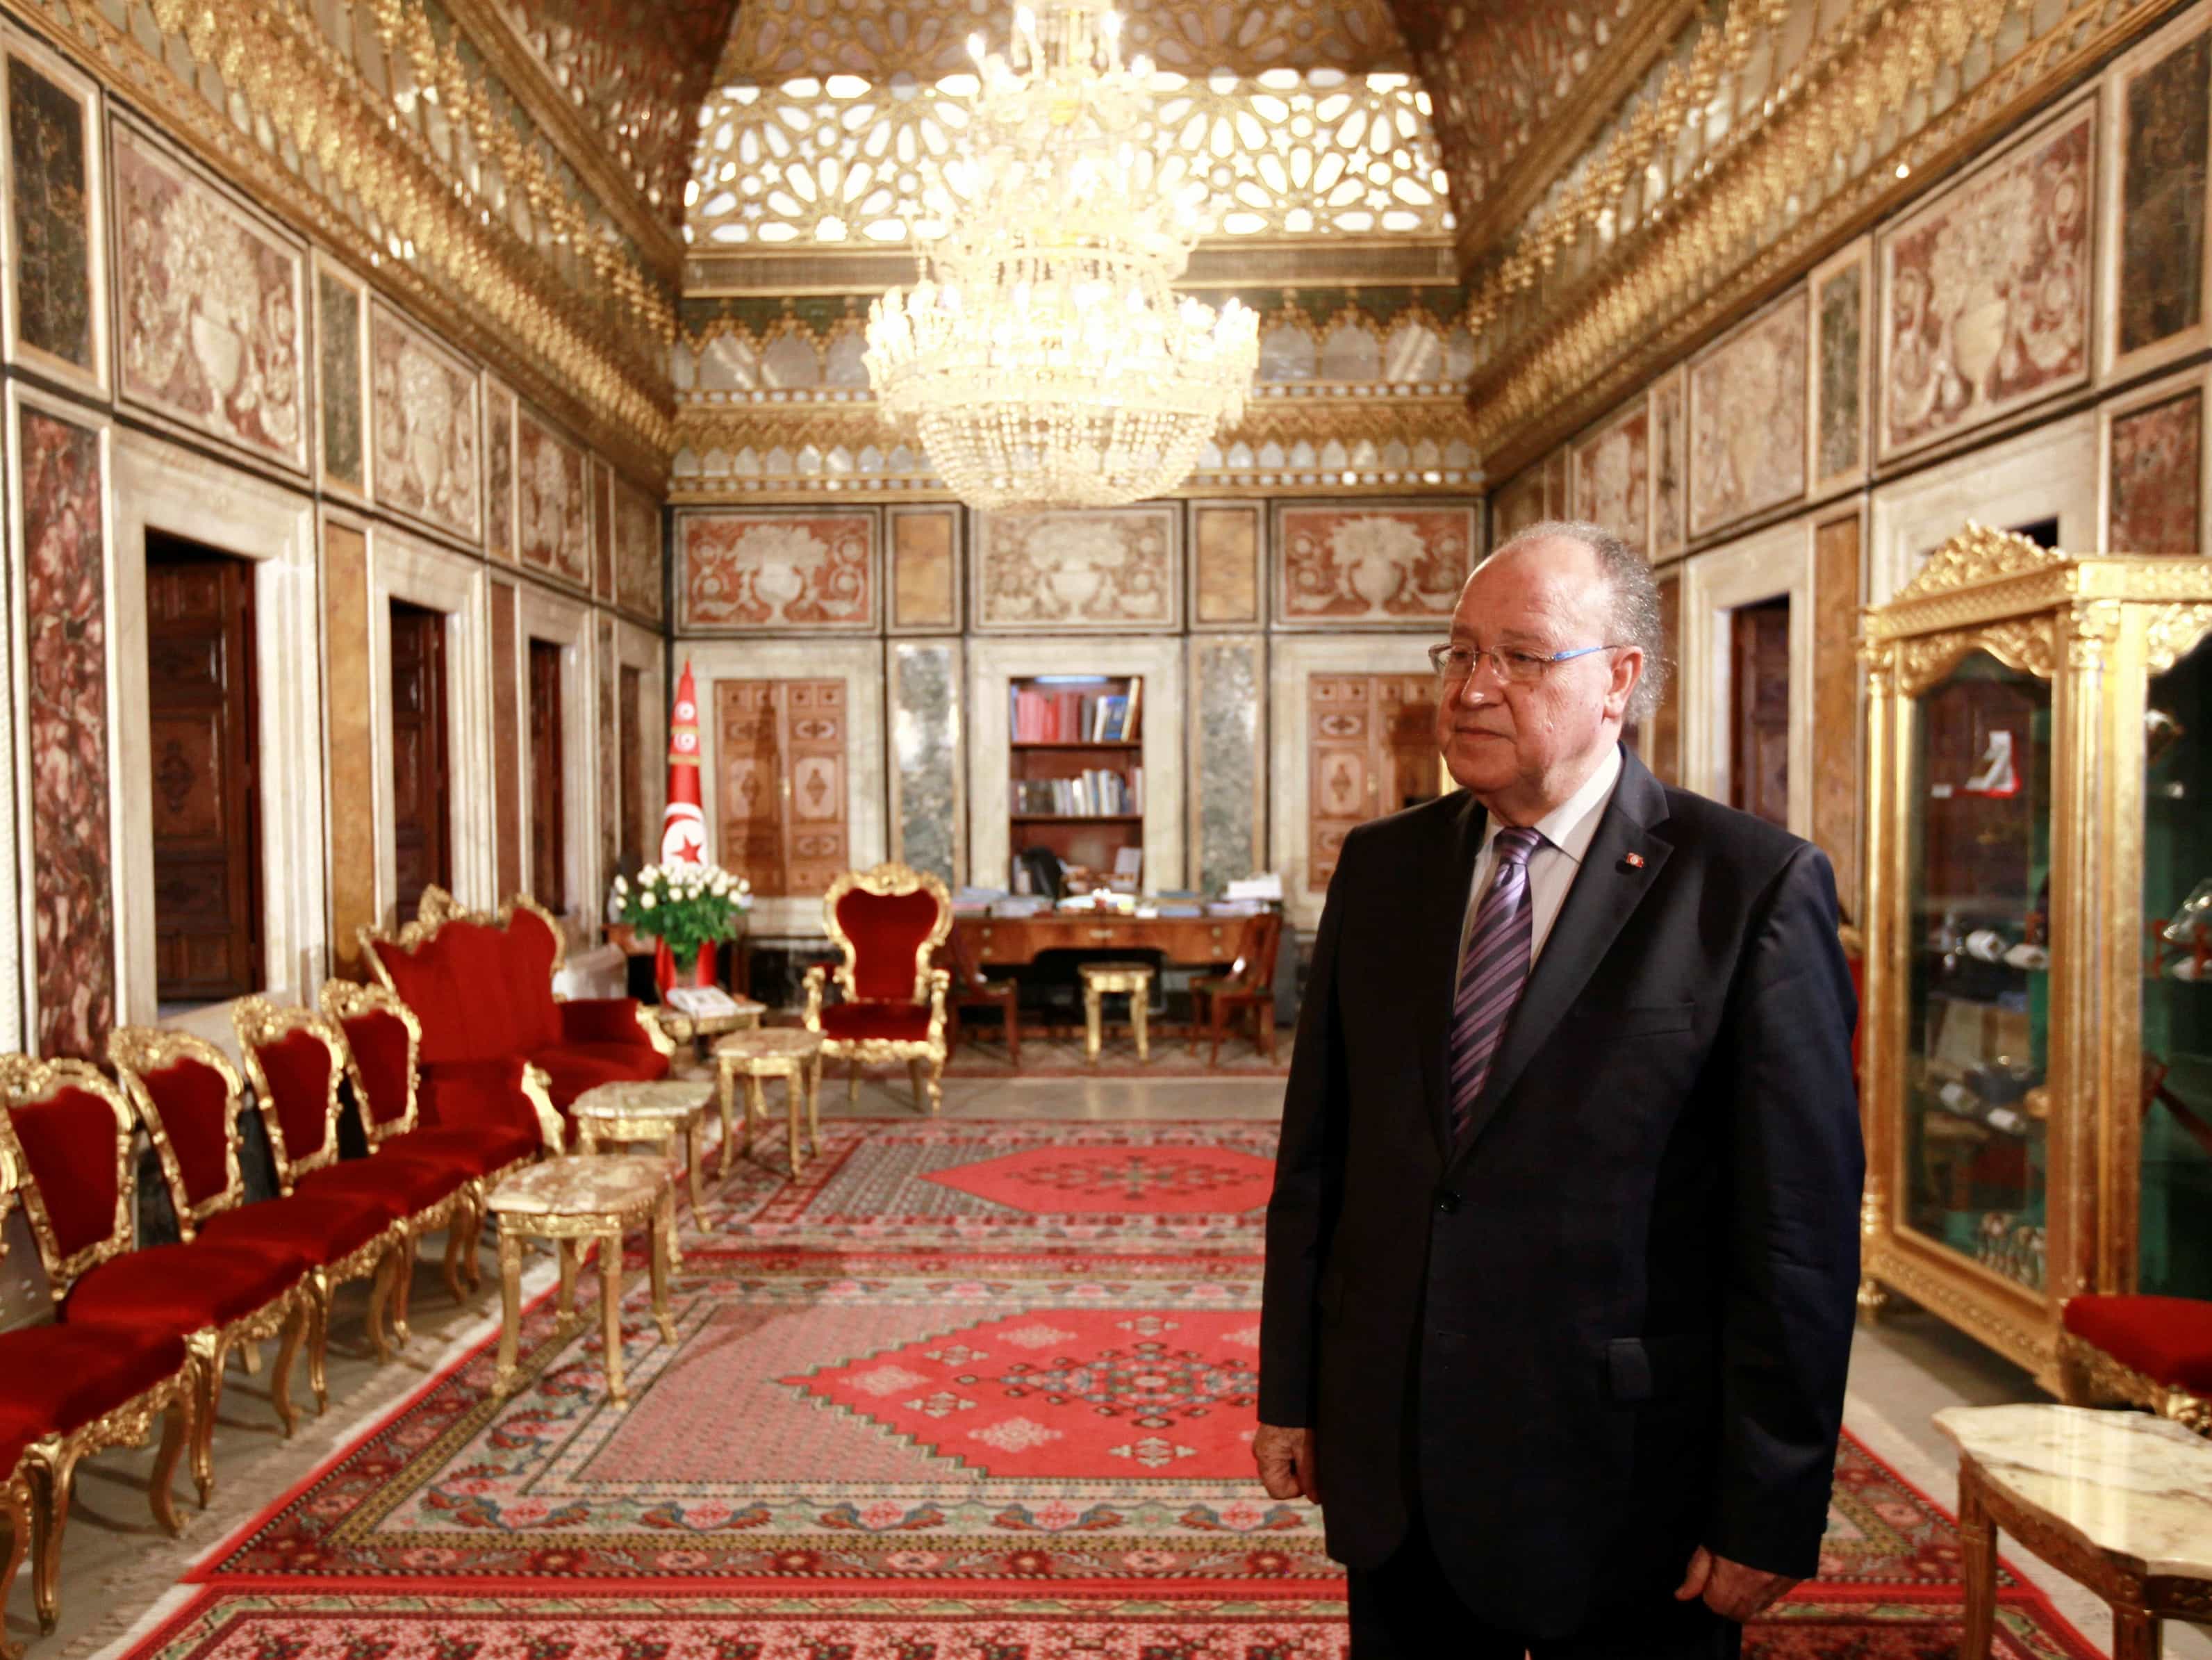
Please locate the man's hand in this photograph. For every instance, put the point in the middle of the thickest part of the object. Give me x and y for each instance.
(1730, 1590)
(1285, 1458)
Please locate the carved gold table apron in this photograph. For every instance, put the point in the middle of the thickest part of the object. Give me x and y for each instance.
(571, 1200)
(2118, 1501)
(1135, 980)
(784, 1052)
(681, 1028)
(662, 1113)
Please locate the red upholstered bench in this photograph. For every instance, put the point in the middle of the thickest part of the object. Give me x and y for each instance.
(2152, 1351)
(481, 988)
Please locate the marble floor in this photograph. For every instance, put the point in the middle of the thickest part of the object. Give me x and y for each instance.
(118, 1565)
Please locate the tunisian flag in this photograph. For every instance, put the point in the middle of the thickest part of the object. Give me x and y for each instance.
(683, 824)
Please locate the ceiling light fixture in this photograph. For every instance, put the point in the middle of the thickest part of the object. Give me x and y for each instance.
(1044, 360)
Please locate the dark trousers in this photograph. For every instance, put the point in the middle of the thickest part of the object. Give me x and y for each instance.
(1407, 1610)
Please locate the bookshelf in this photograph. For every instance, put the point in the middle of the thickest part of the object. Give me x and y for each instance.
(1075, 767)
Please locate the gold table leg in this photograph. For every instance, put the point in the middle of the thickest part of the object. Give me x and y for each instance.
(510, 1308)
(691, 1163)
(610, 1259)
(729, 1106)
(813, 1071)
(663, 1253)
(1139, 1013)
(568, 1313)
(794, 1106)
(1977, 1567)
(1090, 1018)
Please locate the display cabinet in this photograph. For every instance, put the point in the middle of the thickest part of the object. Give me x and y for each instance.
(2036, 1043)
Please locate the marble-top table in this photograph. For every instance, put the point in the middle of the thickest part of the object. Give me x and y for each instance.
(2120, 1501)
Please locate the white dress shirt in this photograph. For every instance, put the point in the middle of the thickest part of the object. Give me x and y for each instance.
(1567, 832)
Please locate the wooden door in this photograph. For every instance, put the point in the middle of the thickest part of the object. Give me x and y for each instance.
(548, 819)
(204, 719)
(1371, 749)
(781, 795)
(630, 842)
(1758, 693)
(422, 779)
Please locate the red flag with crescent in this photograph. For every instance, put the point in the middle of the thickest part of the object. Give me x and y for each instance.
(683, 825)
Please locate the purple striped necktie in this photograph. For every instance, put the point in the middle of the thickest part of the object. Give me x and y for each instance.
(1492, 973)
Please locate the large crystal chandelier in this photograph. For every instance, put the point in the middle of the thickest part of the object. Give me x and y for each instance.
(1043, 359)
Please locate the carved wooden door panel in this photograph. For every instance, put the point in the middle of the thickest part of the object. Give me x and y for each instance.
(549, 823)
(1371, 749)
(629, 845)
(421, 795)
(206, 794)
(1758, 766)
(780, 762)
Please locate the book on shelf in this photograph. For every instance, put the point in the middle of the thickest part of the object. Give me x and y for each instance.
(1096, 793)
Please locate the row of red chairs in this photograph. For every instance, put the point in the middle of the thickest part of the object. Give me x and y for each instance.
(146, 1333)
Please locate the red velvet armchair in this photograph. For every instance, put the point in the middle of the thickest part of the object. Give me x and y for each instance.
(2149, 1351)
(69, 1132)
(889, 921)
(1248, 985)
(480, 987)
(69, 1391)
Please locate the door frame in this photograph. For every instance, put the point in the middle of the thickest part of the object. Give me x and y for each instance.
(160, 485)
(540, 615)
(401, 567)
(1774, 564)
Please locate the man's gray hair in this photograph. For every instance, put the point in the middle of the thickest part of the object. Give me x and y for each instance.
(1634, 619)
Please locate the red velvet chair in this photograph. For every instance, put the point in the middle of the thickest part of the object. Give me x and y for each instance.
(493, 1118)
(69, 1391)
(70, 1135)
(481, 986)
(2149, 1351)
(297, 1059)
(973, 989)
(1249, 984)
(889, 921)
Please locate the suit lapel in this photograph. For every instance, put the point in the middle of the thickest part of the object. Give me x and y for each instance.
(1440, 905)
(1608, 888)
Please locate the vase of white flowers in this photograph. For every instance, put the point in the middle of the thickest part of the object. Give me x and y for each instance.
(690, 909)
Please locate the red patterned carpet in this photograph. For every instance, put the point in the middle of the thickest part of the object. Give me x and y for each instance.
(965, 1390)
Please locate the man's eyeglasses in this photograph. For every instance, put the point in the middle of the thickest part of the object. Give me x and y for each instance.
(1519, 668)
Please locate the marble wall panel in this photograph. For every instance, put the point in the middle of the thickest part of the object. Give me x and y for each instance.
(925, 567)
(1987, 289)
(925, 755)
(1841, 290)
(424, 400)
(1519, 505)
(1748, 419)
(1670, 463)
(2164, 111)
(637, 551)
(2155, 486)
(763, 571)
(553, 510)
(338, 304)
(1112, 569)
(1662, 750)
(507, 737)
(499, 471)
(350, 777)
(1612, 477)
(1225, 560)
(1836, 747)
(1228, 759)
(1362, 565)
(610, 755)
(1555, 484)
(211, 307)
(63, 500)
(55, 264)
(602, 529)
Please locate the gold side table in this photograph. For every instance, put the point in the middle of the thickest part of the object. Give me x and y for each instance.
(571, 1200)
(683, 1028)
(662, 1113)
(1133, 980)
(784, 1052)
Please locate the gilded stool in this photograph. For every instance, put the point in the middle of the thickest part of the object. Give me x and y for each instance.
(571, 1200)
(663, 1114)
(1133, 980)
(790, 1053)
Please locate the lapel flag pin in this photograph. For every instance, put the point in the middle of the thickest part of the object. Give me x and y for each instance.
(1635, 861)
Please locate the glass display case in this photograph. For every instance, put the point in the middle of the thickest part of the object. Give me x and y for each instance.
(2037, 1037)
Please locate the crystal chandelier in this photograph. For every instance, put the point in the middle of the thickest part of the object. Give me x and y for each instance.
(1043, 360)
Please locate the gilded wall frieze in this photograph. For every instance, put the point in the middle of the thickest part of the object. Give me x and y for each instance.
(325, 151)
(1851, 143)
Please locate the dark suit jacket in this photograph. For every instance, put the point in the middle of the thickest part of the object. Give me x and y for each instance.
(1611, 1321)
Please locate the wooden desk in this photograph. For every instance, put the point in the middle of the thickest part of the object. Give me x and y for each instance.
(1187, 941)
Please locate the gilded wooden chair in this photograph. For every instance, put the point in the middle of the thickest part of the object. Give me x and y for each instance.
(1248, 985)
(889, 923)
(2154, 1352)
(972, 989)
(69, 1391)
(69, 1133)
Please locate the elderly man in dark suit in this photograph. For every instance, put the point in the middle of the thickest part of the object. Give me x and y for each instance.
(1564, 1244)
